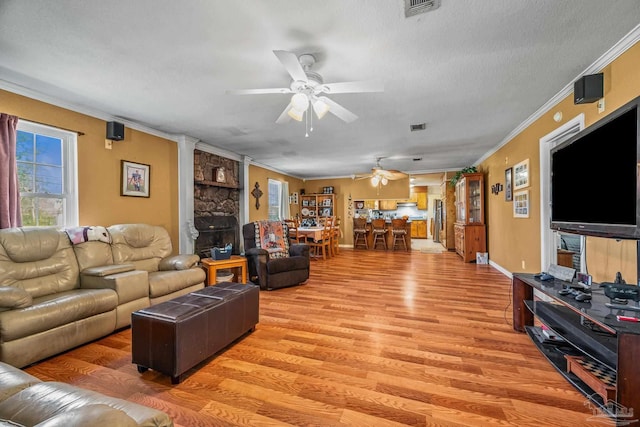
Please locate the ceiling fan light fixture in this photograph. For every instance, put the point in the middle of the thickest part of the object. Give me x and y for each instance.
(295, 114)
(375, 180)
(320, 107)
(384, 180)
(300, 102)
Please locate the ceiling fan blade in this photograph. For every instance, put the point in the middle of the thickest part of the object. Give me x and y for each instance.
(258, 91)
(359, 177)
(338, 110)
(352, 87)
(393, 174)
(284, 117)
(292, 65)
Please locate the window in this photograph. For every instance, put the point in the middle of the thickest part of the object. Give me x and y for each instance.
(47, 175)
(275, 198)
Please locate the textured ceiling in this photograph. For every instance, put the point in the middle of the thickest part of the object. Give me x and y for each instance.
(472, 70)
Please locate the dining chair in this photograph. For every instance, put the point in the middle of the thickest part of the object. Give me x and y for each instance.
(379, 231)
(399, 233)
(294, 237)
(360, 233)
(322, 245)
(335, 237)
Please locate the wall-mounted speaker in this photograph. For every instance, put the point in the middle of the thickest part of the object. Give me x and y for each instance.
(589, 88)
(115, 131)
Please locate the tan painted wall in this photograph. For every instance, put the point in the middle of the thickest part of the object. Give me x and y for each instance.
(344, 188)
(262, 176)
(99, 197)
(513, 240)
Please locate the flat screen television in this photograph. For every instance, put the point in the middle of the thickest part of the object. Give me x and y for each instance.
(594, 178)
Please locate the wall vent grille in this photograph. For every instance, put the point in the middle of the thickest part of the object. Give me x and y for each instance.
(417, 127)
(415, 7)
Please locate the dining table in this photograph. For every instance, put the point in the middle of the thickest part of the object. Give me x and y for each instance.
(311, 233)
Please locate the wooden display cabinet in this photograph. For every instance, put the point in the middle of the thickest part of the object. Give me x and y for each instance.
(447, 233)
(315, 206)
(470, 231)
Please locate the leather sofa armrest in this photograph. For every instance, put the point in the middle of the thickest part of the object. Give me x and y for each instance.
(106, 270)
(95, 415)
(179, 262)
(129, 285)
(299, 249)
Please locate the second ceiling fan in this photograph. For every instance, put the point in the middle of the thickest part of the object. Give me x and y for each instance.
(308, 89)
(382, 176)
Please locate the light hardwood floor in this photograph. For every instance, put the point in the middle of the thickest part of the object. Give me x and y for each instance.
(374, 338)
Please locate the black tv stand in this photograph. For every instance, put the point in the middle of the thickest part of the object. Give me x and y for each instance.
(590, 333)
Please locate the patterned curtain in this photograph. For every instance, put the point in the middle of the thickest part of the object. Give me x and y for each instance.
(9, 192)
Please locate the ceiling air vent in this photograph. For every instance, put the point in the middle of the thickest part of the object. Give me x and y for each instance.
(419, 126)
(415, 7)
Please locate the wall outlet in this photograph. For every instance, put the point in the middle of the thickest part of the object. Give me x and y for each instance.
(108, 144)
(601, 105)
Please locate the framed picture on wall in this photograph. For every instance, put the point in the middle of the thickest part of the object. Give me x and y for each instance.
(521, 175)
(521, 204)
(134, 179)
(293, 198)
(508, 182)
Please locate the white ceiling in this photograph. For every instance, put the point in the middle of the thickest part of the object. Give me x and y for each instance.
(472, 70)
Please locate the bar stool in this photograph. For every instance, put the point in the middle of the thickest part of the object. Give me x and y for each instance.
(379, 231)
(399, 232)
(360, 232)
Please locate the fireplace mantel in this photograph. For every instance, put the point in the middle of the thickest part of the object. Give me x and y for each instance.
(216, 184)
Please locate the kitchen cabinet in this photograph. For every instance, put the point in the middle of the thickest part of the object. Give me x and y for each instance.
(371, 204)
(421, 200)
(418, 195)
(418, 228)
(387, 205)
(470, 231)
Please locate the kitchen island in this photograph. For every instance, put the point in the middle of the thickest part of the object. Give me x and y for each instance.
(389, 234)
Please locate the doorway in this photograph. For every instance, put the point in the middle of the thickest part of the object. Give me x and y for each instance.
(551, 241)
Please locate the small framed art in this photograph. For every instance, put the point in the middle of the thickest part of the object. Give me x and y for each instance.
(521, 175)
(521, 204)
(508, 183)
(135, 179)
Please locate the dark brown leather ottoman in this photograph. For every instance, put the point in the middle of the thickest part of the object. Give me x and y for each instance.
(174, 336)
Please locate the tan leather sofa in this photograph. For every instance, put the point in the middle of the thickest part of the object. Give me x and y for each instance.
(27, 401)
(55, 295)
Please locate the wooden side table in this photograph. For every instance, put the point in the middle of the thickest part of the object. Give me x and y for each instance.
(212, 266)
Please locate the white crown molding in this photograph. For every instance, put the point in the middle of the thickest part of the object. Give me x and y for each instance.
(607, 58)
(208, 148)
(250, 161)
(38, 96)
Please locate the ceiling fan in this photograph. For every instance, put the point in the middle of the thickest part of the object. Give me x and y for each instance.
(308, 88)
(382, 176)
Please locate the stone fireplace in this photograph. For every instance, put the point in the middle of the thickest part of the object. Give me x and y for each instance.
(216, 202)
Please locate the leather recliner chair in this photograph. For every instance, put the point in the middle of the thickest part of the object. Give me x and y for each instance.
(274, 269)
